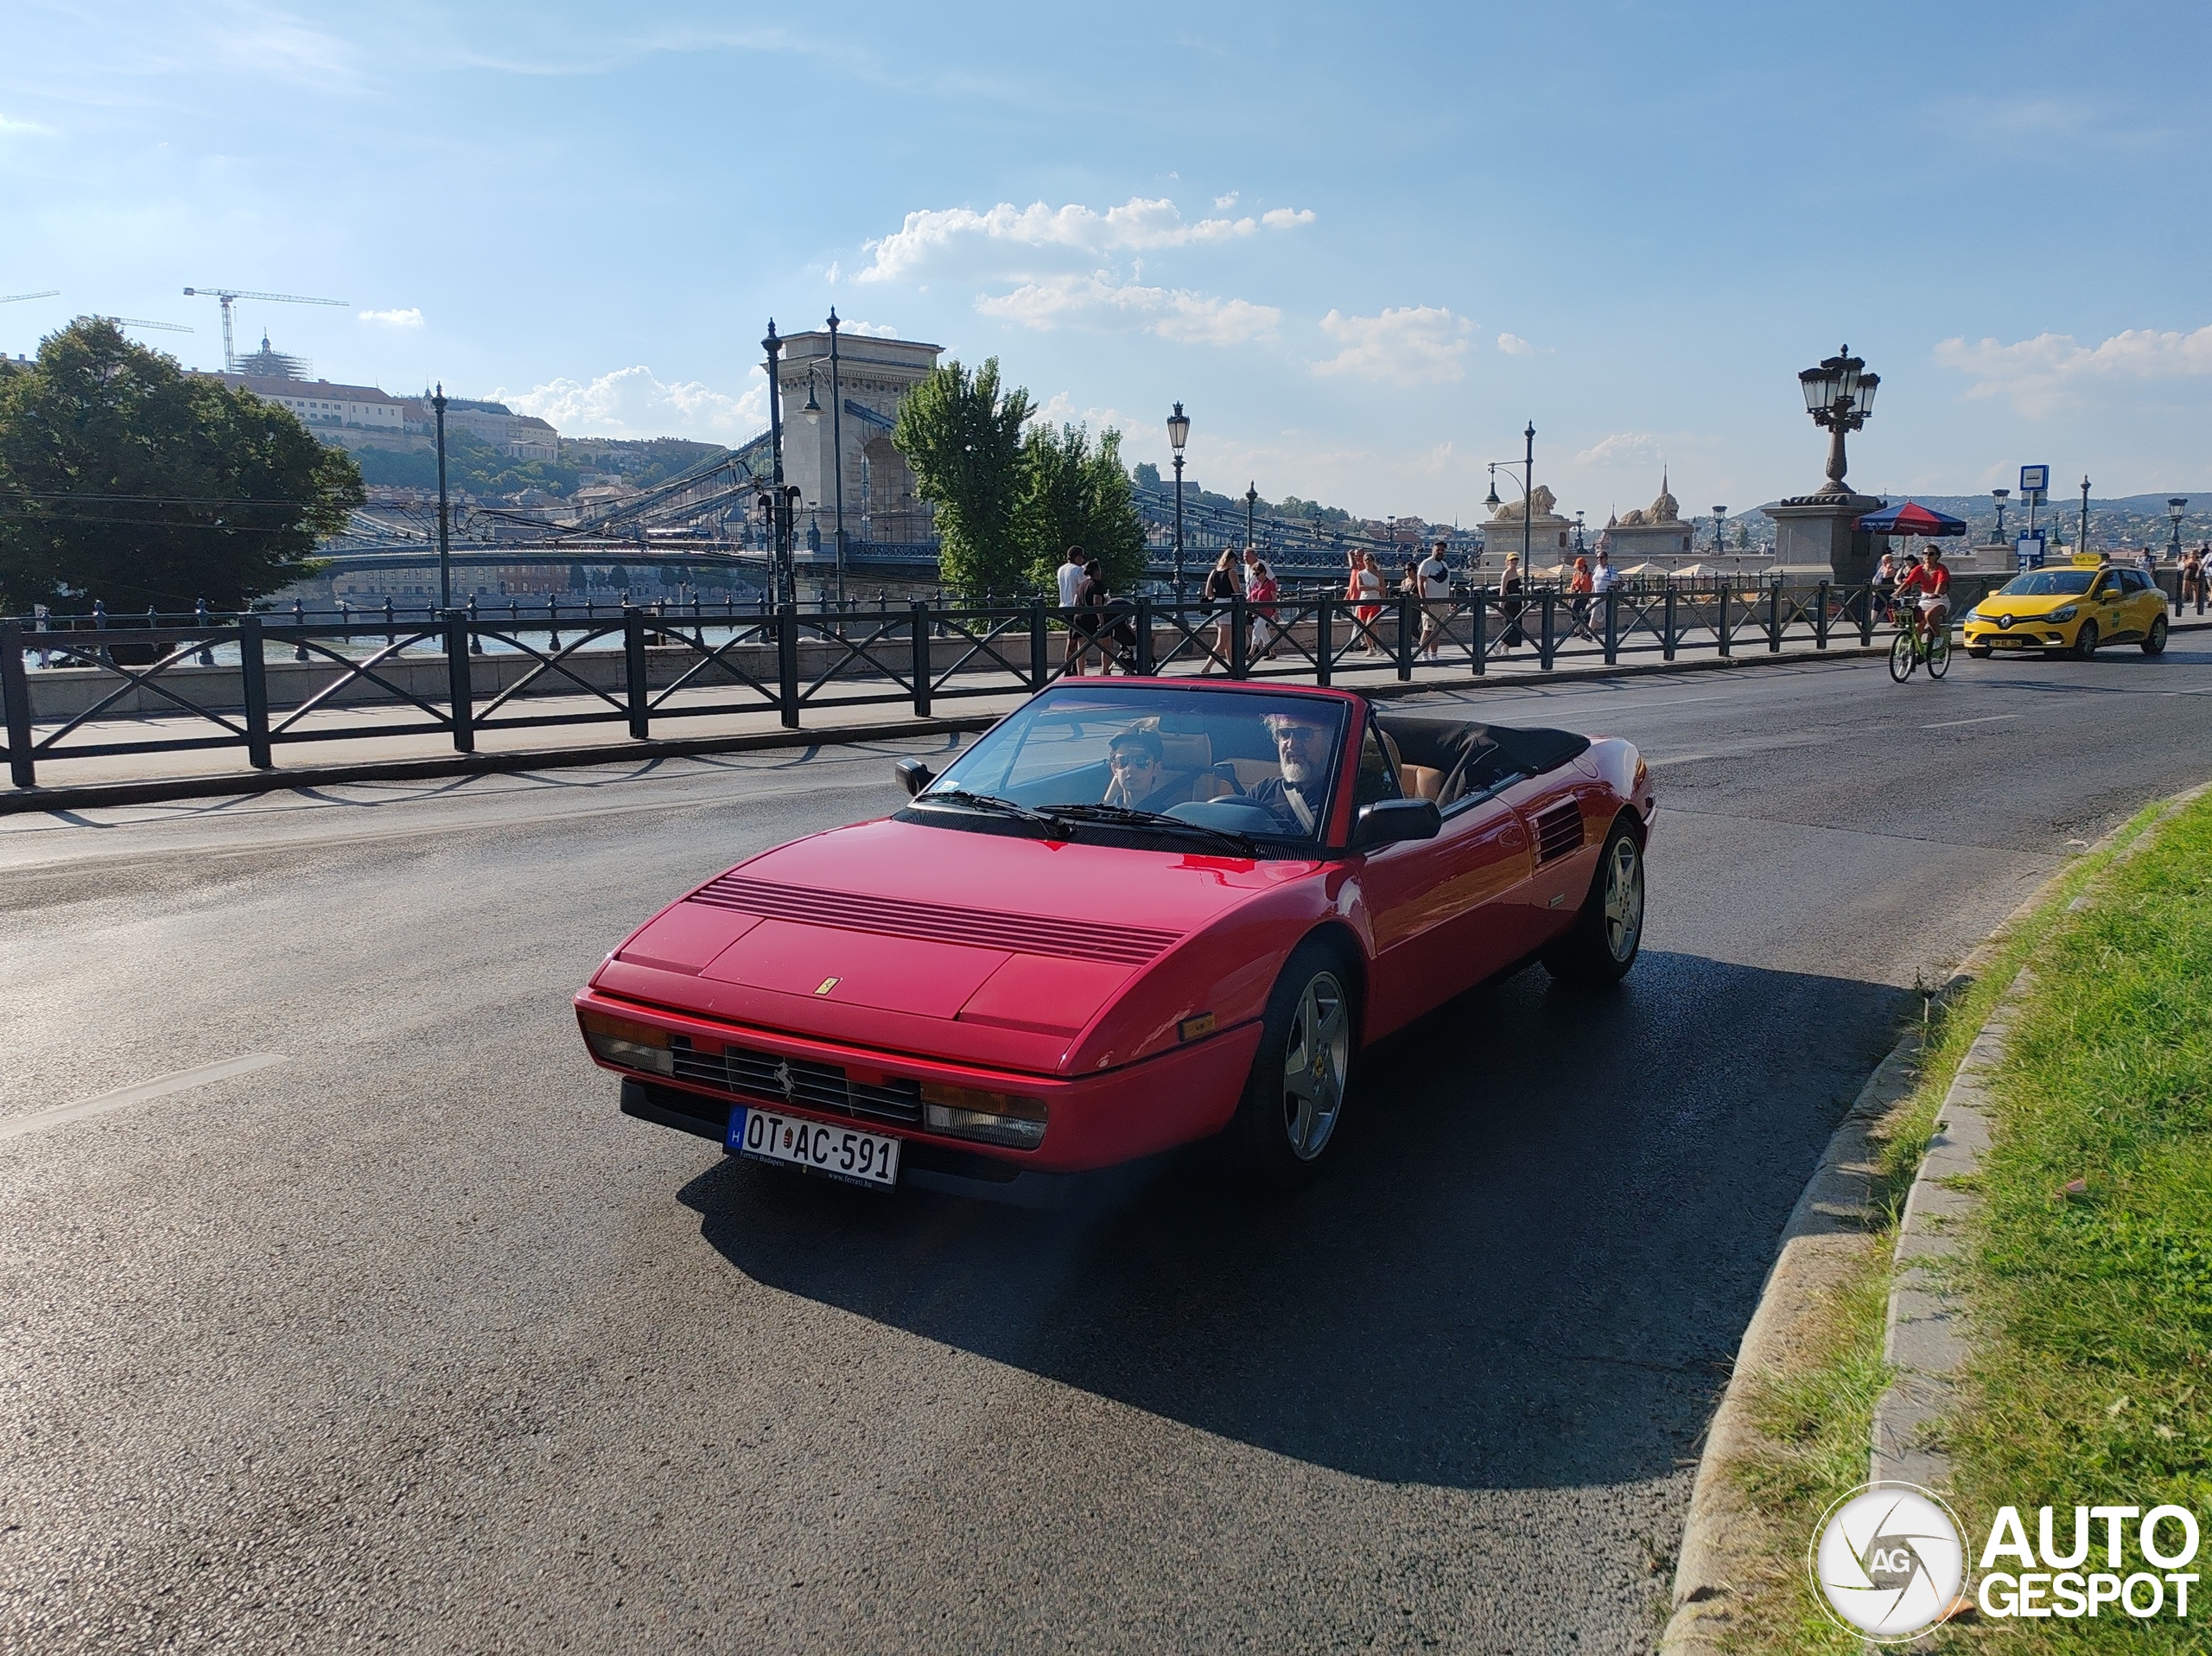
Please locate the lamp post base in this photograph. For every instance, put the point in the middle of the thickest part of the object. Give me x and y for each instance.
(1823, 529)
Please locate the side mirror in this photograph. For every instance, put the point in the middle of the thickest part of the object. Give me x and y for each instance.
(1388, 821)
(914, 775)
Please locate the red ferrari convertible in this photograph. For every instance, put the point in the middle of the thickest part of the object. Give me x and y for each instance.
(1135, 913)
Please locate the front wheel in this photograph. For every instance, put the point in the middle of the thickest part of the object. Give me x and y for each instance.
(1608, 931)
(1903, 657)
(1294, 1097)
(1939, 652)
(2085, 641)
(2154, 642)
(1978, 653)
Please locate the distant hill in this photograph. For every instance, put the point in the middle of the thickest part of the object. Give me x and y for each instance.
(2126, 519)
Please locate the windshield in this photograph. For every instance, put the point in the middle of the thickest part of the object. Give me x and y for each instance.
(1253, 764)
(2047, 584)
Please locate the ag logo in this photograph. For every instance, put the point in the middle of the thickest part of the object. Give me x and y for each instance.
(1888, 1560)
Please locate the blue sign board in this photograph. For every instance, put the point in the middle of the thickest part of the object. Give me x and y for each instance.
(2029, 551)
(2035, 480)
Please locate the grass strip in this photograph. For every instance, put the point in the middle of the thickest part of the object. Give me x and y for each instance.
(1817, 1418)
(2090, 1268)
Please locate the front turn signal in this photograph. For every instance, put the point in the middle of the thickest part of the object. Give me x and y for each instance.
(627, 1042)
(987, 1117)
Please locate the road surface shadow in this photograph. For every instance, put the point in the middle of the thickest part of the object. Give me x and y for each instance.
(1530, 1266)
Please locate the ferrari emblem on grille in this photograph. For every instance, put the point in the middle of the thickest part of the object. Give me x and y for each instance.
(827, 984)
(782, 1075)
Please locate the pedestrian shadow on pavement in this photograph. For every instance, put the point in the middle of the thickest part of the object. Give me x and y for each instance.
(1530, 1267)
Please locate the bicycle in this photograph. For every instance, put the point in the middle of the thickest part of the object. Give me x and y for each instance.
(1909, 649)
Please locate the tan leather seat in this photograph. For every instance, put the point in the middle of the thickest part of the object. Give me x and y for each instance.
(1421, 781)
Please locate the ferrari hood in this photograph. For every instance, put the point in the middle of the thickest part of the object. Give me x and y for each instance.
(855, 932)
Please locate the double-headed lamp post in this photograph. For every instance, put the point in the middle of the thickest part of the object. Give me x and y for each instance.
(2175, 507)
(1839, 396)
(1178, 433)
(1528, 480)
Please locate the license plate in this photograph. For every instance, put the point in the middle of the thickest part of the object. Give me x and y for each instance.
(843, 1153)
(2009, 643)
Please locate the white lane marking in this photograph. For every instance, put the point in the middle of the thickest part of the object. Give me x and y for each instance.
(159, 1087)
(1987, 718)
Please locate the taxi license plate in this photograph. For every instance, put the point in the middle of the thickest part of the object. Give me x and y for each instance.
(2009, 642)
(843, 1153)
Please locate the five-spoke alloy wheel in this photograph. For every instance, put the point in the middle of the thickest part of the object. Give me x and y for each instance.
(1294, 1098)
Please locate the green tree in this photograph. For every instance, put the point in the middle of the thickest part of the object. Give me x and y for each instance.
(1074, 493)
(123, 478)
(1147, 474)
(961, 434)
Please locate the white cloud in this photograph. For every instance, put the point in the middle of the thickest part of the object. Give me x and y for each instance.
(1414, 342)
(1098, 300)
(412, 318)
(871, 330)
(1622, 449)
(1514, 345)
(11, 128)
(1137, 223)
(1223, 203)
(1061, 410)
(633, 403)
(2039, 374)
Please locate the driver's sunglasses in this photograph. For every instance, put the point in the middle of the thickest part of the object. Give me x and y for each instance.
(1298, 733)
(1132, 761)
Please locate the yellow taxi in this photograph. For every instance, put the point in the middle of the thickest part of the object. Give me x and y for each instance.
(2069, 609)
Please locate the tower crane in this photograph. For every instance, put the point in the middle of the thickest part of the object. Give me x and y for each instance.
(224, 296)
(11, 299)
(140, 322)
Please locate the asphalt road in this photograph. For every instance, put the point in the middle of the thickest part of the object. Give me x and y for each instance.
(412, 1338)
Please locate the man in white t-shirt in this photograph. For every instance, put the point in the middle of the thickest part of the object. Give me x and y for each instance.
(1071, 579)
(1434, 576)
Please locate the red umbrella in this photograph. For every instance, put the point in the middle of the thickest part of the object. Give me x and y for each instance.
(1913, 518)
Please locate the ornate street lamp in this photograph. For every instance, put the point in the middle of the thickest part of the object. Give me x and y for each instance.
(1527, 481)
(1251, 500)
(2175, 507)
(2001, 495)
(776, 515)
(813, 410)
(2082, 545)
(838, 449)
(1839, 396)
(1178, 433)
(1719, 530)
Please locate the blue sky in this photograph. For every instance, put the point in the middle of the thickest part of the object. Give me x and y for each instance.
(1362, 246)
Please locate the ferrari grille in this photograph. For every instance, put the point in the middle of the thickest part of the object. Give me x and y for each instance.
(810, 1085)
(1069, 939)
(1559, 832)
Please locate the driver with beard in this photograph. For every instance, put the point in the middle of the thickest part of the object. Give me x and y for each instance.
(1302, 750)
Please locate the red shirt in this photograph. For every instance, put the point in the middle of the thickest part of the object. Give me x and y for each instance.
(1936, 583)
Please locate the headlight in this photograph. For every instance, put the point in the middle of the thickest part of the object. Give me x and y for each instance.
(2065, 613)
(631, 1044)
(990, 1118)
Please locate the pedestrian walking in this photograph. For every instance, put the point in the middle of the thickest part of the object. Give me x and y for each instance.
(2192, 578)
(1510, 604)
(1366, 591)
(1071, 578)
(1260, 591)
(1221, 588)
(1433, 577)
(1094, 603)
(1886, 586)
(1579, 588)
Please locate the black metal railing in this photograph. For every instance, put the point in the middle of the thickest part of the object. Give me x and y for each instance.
(260, 683)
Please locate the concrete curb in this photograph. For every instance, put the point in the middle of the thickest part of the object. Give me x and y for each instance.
(153, 790)
(1815, 1249)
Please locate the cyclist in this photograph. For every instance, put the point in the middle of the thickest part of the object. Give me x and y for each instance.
(1930, 583)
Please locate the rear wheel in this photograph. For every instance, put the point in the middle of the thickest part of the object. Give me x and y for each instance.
(1609, 932)
(2085, 641)
(2154, 641)
(1903, 658)
(1295, 1098)
(1939, 652)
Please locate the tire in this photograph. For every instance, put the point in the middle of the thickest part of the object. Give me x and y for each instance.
(2085, 641)
(2154, 642)
(1939, 655)
(1293, 1099)
(1903, 658)
(1609, 932)
(1981, 654)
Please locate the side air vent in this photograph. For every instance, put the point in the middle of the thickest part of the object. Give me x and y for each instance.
(1072, 940)
(1558, 833)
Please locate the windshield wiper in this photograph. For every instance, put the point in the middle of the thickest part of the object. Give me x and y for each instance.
(990, 804)
(1157, 822)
